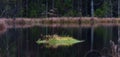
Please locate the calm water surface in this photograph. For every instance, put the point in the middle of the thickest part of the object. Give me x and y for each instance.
(21, 42)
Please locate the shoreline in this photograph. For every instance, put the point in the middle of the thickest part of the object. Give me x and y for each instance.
(78, 20)
(54, 22)
(60, 22)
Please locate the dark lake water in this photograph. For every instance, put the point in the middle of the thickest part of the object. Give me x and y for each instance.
(21, 42)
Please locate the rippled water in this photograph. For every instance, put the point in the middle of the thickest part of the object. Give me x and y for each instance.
(21, 42)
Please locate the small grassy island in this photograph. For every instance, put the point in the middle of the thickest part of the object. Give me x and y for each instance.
(55, 41)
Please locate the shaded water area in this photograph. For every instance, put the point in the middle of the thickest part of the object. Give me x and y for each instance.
(21, 42)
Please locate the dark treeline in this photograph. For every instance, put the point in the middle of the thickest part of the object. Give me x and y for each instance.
(58, 8)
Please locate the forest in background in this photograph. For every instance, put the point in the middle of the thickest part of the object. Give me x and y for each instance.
(58, 8)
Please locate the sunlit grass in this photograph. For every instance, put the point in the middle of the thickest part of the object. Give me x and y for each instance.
(55, 41)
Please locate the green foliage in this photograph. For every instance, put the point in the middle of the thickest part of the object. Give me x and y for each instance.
(101, 12)
(71, 13)
(39, 8)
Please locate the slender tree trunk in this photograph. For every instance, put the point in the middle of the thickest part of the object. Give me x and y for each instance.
(80, 7)
(92, 8)
(52, 4)
(118, 8)
(118, 51)
(111, 9)
(46, 8)
(25, 5)
(92, 37)
(7, 45)
(86, 8)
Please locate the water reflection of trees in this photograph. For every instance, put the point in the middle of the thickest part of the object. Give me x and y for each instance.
(34, 33)
(2, 27)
